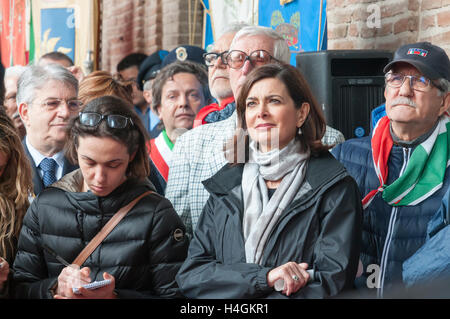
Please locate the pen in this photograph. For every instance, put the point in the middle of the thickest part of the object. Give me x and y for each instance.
(59, 258)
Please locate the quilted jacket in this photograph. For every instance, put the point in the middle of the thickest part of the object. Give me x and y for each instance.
(143, 252)
(390, 234)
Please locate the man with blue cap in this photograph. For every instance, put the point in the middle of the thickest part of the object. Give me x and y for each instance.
(403, 169)
(148, 70)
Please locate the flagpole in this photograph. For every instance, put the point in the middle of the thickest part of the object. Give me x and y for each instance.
(88, 63)
(320, 25)
(11, 32)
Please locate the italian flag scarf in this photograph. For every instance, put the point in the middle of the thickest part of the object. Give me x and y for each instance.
(424, 172)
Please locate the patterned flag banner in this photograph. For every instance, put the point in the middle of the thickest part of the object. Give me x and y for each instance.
(58, 31)
(67, 26)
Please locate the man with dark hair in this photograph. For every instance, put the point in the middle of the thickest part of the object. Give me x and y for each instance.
(56, 57)
(64, 60)
(128, 68)
(180, 90)
(130, 61)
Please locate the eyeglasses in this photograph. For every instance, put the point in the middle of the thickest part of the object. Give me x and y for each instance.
(236, 58)
(421, 83)
(211, 57)
(112, 120)
(53, 104)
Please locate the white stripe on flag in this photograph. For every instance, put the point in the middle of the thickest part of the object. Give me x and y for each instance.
(425, 196)
(399, 197)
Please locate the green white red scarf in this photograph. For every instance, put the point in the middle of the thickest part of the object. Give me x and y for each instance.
(424, 172)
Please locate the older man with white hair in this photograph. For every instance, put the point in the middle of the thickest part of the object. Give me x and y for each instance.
(47, 99)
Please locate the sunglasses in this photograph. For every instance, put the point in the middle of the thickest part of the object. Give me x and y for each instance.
(112, 120)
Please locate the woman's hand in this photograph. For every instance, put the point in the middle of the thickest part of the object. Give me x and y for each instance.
(4, 272)
(70, 277)
(106, 292)
(294, 276)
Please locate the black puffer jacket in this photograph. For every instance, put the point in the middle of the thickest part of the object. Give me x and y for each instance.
(142, 252)
(321, 228)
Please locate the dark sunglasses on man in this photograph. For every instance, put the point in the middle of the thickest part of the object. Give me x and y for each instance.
(112, 120)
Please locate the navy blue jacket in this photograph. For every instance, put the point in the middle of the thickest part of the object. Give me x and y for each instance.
(431, 263)
(390, 234)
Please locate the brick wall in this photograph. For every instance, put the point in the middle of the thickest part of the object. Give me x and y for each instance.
(387, 24)
(146, 26)
(176, 15)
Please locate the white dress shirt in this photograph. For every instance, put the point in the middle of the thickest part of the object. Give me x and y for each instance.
(38, 157)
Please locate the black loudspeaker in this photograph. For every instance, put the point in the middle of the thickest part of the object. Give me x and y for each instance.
(348, 84)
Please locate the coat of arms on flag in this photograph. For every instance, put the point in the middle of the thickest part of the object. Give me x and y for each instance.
(417, 51)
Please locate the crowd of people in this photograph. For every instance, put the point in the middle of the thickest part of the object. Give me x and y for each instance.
(194, 174)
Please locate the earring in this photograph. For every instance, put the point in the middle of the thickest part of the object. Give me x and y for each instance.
(299, 131)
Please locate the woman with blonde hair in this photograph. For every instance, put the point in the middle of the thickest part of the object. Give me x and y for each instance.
(15, 187)
(101, 83)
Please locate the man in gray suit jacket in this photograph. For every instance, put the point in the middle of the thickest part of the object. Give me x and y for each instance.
(47, 99)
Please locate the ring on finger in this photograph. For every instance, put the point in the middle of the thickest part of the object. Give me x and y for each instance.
(295, 277)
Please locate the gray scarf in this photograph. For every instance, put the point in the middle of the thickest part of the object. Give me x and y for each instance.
(260, 213)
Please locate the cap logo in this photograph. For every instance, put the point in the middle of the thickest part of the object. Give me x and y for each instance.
(417, 51)
(181, 53)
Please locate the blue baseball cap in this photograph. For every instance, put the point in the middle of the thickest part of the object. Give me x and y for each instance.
(430, 60)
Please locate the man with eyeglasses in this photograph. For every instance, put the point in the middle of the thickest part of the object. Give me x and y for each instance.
(180, 90)
(402, 169)
(47, 99)
(219, 80)
(128, 68)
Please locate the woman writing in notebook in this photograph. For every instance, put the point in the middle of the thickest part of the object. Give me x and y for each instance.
(142, 253)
